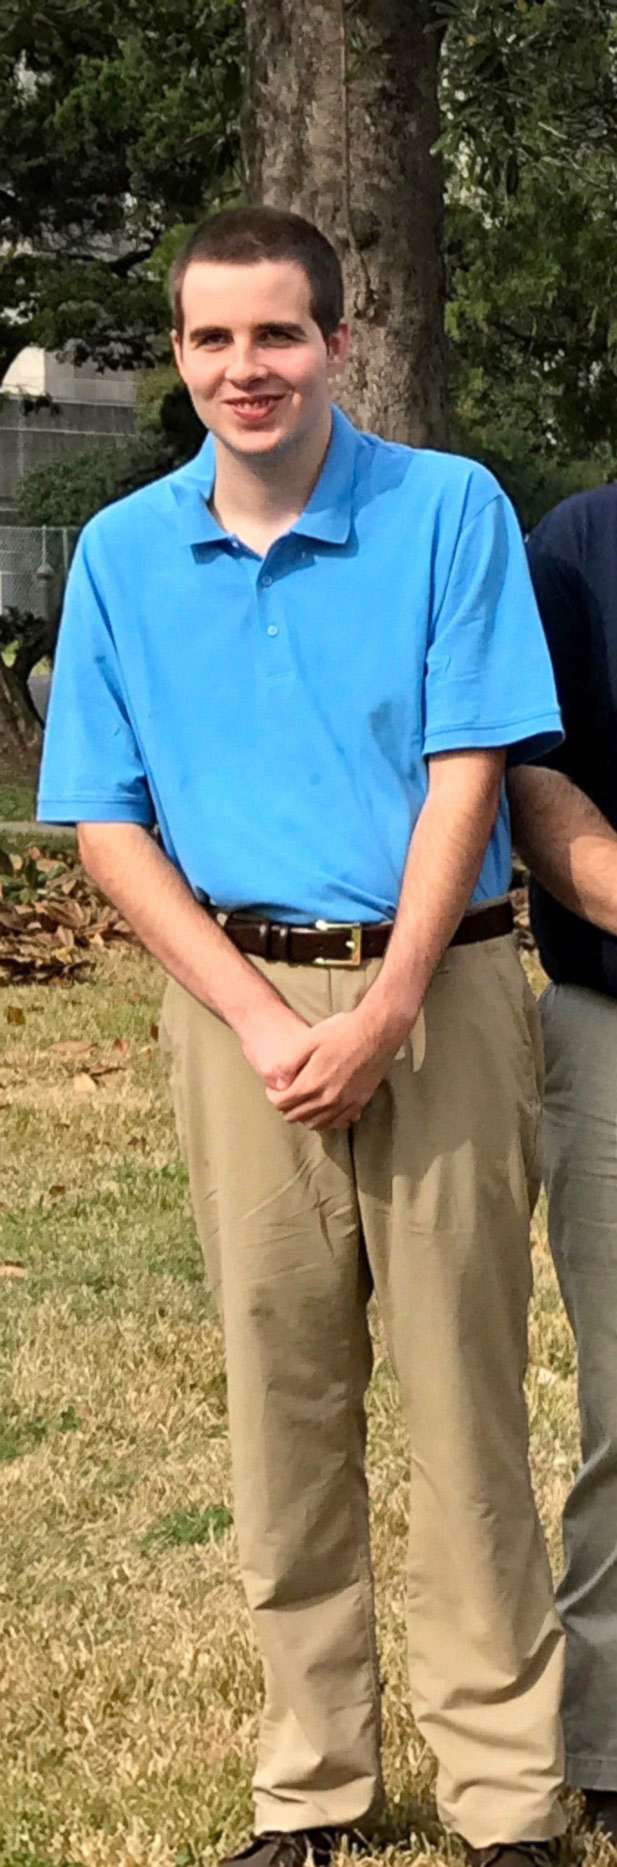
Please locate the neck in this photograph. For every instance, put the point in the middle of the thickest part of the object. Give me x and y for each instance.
(269, 493)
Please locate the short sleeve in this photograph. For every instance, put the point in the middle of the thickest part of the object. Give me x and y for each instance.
(92, 770)
(488, 675)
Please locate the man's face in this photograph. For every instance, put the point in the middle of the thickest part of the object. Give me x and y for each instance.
(254, 361)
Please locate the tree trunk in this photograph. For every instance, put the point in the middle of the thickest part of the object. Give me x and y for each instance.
(340, 125)
(20, 733)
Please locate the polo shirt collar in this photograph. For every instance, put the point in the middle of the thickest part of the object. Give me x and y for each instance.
(327, 514)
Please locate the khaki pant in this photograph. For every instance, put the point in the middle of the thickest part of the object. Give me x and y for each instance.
(580, 1030)
(427, 1199)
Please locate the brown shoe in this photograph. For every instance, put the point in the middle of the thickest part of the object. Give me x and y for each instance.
(601, 1811)
(278, 1849)
(515, 1854)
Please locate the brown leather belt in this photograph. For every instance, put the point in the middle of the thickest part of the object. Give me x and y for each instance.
(346, 943)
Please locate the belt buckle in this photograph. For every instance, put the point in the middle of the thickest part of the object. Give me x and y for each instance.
(354, 929)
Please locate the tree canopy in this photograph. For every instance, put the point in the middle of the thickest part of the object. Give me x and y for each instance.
(117, 123)
(530, 139)
(119, 128)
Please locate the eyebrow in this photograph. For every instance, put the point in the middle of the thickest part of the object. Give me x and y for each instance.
(266, 324)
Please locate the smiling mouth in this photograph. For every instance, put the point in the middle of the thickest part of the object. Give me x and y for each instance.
(254, 404)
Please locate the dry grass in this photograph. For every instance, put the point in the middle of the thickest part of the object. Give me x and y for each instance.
(130, 1682)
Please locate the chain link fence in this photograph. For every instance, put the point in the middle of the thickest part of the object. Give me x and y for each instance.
(34, 563)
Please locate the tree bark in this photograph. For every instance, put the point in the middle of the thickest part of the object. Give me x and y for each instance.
(20, 732)
(340, 125)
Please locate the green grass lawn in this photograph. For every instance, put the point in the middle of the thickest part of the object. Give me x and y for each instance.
(17, 800)
(130, 1681)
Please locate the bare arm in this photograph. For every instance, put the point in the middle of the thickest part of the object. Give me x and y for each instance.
(353, 1051)
(444, 861)
(565, 842)
(129, 867)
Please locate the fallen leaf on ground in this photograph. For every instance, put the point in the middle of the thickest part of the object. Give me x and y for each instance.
(50, 916)
(15, 1015)
(71, 1047)
(10, 1269)
(101, 1070)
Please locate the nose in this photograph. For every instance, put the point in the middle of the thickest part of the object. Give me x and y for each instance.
(245, 365)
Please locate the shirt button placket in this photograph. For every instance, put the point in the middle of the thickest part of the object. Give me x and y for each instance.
(276, 645)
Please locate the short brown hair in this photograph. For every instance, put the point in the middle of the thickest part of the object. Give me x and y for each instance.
(243, 236)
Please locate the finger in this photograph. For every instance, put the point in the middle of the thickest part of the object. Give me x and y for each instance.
(346, 1118)
(300, 1095)
(281, 1076)
(323, 1119)
(312, 1114)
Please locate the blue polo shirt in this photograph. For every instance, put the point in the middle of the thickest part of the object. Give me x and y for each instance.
(274, 716)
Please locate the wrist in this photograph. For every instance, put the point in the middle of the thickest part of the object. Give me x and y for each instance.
(250, 1004)
(386, 1016)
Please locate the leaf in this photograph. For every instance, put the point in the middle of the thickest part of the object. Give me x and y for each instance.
(11, 1268)
(49, 911)
(55, 1192)
(122, 1045)
(15, 1015)
(97, 1070)
(154, 1032)
(71, 1047)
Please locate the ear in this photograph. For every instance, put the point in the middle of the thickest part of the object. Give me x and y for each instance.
(176, 344)
(338, 346)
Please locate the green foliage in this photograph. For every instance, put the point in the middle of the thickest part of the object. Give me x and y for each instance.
(117, 126)
(70, 491)
(527, 83)
(530, 113)
(164, 407)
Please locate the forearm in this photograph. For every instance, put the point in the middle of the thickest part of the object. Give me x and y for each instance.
(444, 860)
(565, 842)
(134, 873)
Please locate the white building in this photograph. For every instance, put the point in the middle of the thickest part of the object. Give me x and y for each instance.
(87, 407)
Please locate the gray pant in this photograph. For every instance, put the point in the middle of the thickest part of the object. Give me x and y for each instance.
(580, 1036)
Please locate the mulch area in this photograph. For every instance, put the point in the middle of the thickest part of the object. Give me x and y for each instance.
(52, 918)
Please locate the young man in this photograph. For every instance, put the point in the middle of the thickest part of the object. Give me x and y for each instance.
(572, 849)
(304, 656)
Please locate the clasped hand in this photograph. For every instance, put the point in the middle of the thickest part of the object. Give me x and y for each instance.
(323, 1075)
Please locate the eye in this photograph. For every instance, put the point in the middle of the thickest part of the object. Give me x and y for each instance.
(276, 334)
(211, 340)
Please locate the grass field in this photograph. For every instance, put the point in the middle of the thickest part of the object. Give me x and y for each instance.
(130, 1683)
(17, 802)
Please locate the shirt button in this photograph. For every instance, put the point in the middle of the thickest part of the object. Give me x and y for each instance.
(235, 544)
(267, 581)
(272, 629)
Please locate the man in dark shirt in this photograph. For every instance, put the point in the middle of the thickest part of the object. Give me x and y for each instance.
(572, 851)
